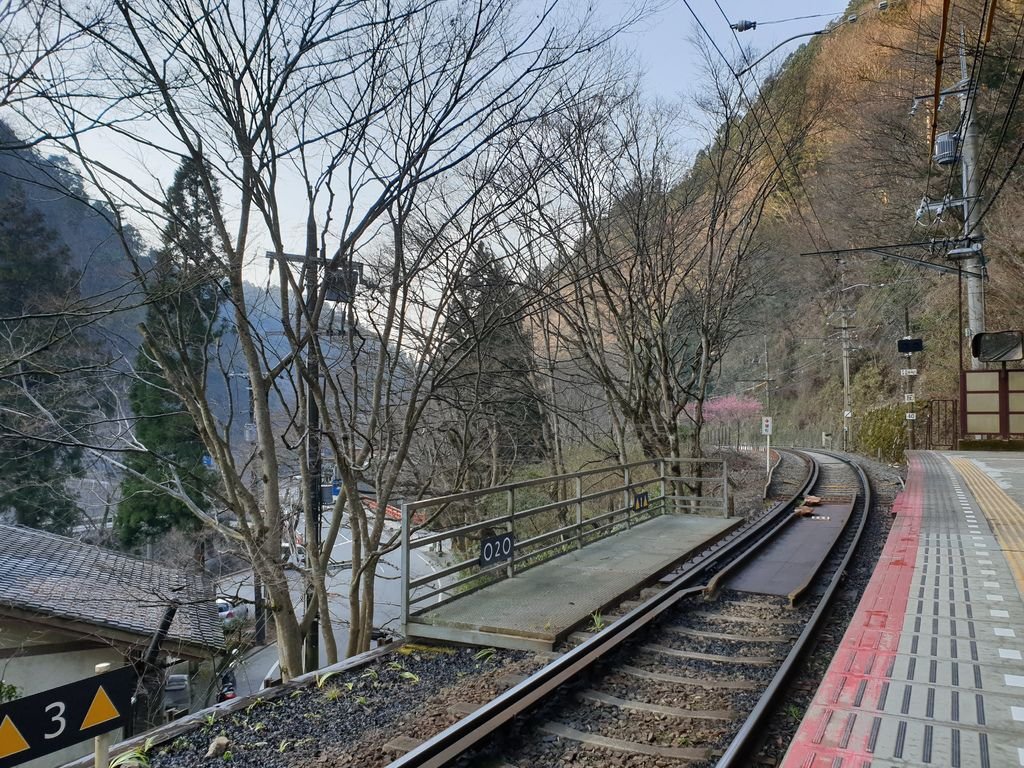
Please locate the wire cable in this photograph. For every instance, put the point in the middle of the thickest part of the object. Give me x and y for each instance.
(970, 79)
(753, 113)
(757, 120)
(800, 18)
(1004, 130)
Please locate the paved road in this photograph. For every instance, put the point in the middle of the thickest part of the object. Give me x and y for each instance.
(251, 670)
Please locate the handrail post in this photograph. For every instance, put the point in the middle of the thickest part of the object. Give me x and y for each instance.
(510, 526)
(627, 501)
(664, 501)
(405, 569)
(725, 488)
(579, 512)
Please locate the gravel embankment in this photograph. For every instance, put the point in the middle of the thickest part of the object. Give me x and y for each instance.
(347, 719)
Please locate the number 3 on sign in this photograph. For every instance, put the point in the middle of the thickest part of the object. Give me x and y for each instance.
(58, 719)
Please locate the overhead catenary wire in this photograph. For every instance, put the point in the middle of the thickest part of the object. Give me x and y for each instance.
(774, 122)
(800, 18)
(757, 121)
(967, 81)
(1004, 129)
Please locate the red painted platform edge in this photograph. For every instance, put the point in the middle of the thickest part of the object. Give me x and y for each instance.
(883, 604)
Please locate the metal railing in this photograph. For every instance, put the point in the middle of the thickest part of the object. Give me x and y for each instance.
(546, 517)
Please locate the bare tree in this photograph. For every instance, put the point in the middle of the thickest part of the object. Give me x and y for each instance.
(33, 41)
(357, 119)
(652, 266)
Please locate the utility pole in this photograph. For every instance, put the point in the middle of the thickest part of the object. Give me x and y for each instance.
(845, 314)
(313, 441)
(312, 502)
(975, 264)
(259, 605)
(847, 407)
(767, 381)
(970, 256)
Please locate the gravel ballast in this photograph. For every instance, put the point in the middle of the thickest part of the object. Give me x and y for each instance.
(346, 719)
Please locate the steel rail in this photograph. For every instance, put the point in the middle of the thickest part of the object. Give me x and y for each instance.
(471, 730)
(737, 753)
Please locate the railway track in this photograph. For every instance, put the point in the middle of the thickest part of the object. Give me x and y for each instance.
(687, 676)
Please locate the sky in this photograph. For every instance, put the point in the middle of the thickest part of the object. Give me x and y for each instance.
(662, 46)
(663, 41)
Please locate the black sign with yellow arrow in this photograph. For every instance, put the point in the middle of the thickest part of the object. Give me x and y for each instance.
(45, 722)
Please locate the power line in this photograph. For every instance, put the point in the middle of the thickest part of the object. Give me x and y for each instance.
(1002, 181)
(1006, 122)
(774, 122)
(754, 115)
(800, 18)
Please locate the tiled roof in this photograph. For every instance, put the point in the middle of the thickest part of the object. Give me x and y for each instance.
(58, 577)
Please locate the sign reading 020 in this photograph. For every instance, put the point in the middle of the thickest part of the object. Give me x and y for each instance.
(45, 722)
(496, 549)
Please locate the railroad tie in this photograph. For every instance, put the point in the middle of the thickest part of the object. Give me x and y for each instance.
(754, 661)
(689, 632)
(621, 745)
(662, 677)
(597, 697)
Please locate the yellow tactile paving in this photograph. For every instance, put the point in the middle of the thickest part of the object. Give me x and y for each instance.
(1004, 514)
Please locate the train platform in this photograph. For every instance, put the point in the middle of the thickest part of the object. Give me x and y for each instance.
(930, 671)
(540, 606)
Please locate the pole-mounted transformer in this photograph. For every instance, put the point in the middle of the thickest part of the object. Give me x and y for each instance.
(946, 145)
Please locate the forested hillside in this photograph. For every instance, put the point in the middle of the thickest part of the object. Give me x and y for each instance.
(862, 177)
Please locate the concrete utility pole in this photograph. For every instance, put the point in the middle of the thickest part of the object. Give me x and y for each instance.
(975, 264)
(970, 255)
(847, 406)
(259, 608)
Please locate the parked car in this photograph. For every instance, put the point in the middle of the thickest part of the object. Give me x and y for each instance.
(231, 612)
(177, 696)
(293, 553)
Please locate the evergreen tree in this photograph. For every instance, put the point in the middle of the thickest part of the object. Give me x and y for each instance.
(493, 387)
(182, 316)
(43, 354)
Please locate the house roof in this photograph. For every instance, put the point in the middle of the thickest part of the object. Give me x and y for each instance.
(63, 580)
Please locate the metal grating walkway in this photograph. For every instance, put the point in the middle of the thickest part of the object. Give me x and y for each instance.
(538, 607)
